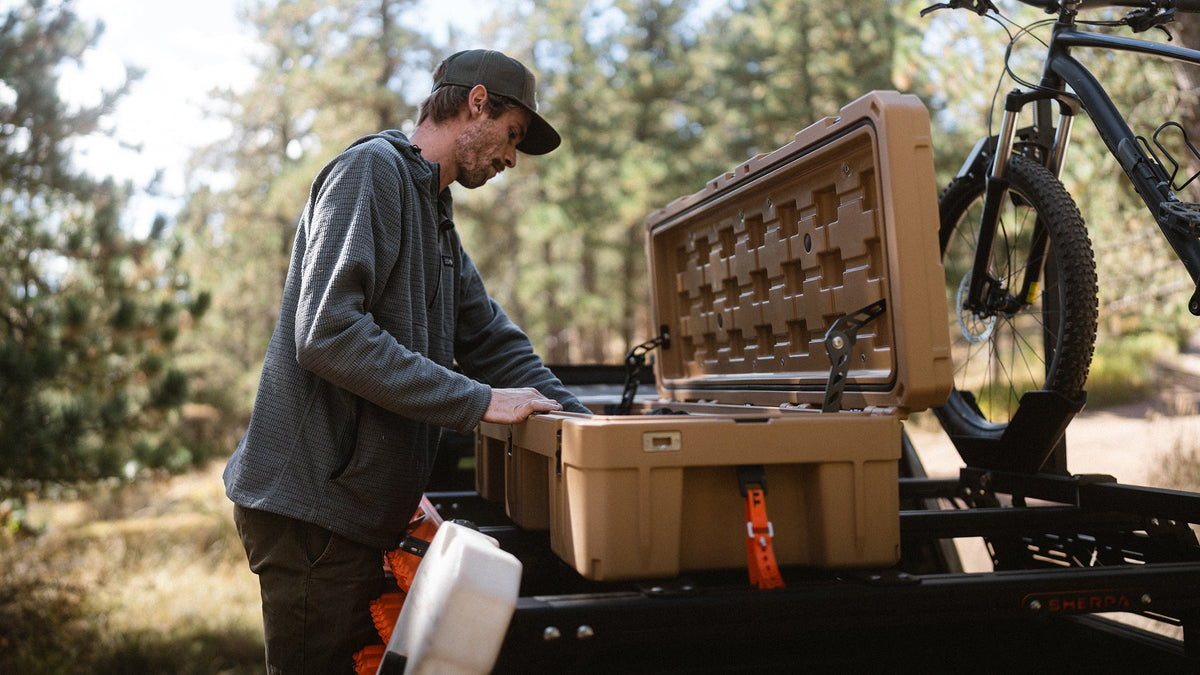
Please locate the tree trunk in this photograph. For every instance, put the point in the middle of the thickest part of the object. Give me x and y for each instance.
(1187, 77)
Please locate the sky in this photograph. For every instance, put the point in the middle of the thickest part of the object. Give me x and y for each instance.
(187, 48)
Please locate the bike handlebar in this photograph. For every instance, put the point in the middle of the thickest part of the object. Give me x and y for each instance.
(1181, 5)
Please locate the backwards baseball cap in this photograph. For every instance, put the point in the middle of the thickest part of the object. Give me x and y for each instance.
(504, 76)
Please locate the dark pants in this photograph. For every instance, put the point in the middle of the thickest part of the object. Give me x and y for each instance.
(316, 592)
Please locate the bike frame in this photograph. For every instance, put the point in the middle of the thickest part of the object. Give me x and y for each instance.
(1147, 175)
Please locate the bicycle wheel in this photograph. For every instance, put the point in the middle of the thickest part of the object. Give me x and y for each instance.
(1043, 341)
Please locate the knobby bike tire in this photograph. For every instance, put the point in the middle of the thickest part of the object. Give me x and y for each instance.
(1048, 344)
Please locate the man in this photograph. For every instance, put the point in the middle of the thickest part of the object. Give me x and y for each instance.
(380, 301)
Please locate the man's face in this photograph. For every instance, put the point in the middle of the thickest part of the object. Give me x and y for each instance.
(488, 146)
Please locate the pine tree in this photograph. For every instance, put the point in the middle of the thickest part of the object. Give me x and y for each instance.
(614, 78)
(87, 381)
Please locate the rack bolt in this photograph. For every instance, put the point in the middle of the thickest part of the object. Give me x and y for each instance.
(551, 633)
(1146, 599)
(1035, 605)
(584, 632)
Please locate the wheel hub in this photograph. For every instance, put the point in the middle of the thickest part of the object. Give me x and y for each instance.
(975, 328)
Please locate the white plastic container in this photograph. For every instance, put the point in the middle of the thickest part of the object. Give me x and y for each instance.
(457, 612)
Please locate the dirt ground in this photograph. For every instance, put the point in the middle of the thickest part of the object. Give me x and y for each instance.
(1128, 442)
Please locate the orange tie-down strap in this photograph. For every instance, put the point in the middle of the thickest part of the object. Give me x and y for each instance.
(760, 551)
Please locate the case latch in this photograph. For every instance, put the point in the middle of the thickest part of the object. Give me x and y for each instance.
(839, 342)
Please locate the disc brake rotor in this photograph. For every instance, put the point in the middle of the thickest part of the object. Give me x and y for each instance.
(975, 328)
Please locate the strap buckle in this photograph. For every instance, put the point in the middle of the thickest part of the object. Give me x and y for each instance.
(770, 530)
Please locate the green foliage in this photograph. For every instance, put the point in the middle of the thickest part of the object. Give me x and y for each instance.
(1143, 287)
(1127, 368)
(86, 308)
(653, 99)
(773, 68)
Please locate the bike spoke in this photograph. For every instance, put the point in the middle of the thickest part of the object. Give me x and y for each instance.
(1004, 348)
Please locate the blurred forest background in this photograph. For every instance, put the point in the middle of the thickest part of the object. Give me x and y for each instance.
(131, 350)
(123, 352)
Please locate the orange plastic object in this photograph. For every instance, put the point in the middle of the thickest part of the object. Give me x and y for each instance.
(423, 526)
(384, 611)
(366, 661)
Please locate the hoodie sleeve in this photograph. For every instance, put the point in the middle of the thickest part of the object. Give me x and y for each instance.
(489, 346)
(337, 337)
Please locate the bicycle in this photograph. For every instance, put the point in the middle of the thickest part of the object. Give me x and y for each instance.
(1021, 278)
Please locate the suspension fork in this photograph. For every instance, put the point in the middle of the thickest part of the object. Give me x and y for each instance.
(1055, 155)
(986, 294)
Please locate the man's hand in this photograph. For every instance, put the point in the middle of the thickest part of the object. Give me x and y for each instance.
(509, 406)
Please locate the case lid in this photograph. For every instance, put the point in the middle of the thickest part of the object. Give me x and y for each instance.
(749, 274)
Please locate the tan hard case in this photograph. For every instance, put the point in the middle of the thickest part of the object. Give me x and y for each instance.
(748, 276)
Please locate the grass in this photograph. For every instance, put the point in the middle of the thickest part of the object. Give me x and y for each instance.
(1179, 468)
(148, 578)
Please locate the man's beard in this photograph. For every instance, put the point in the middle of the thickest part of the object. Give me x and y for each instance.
(472, 171)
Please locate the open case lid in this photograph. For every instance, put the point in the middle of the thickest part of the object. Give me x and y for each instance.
(749, 274)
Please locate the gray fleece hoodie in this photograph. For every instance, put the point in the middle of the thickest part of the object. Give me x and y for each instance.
(380, 300)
